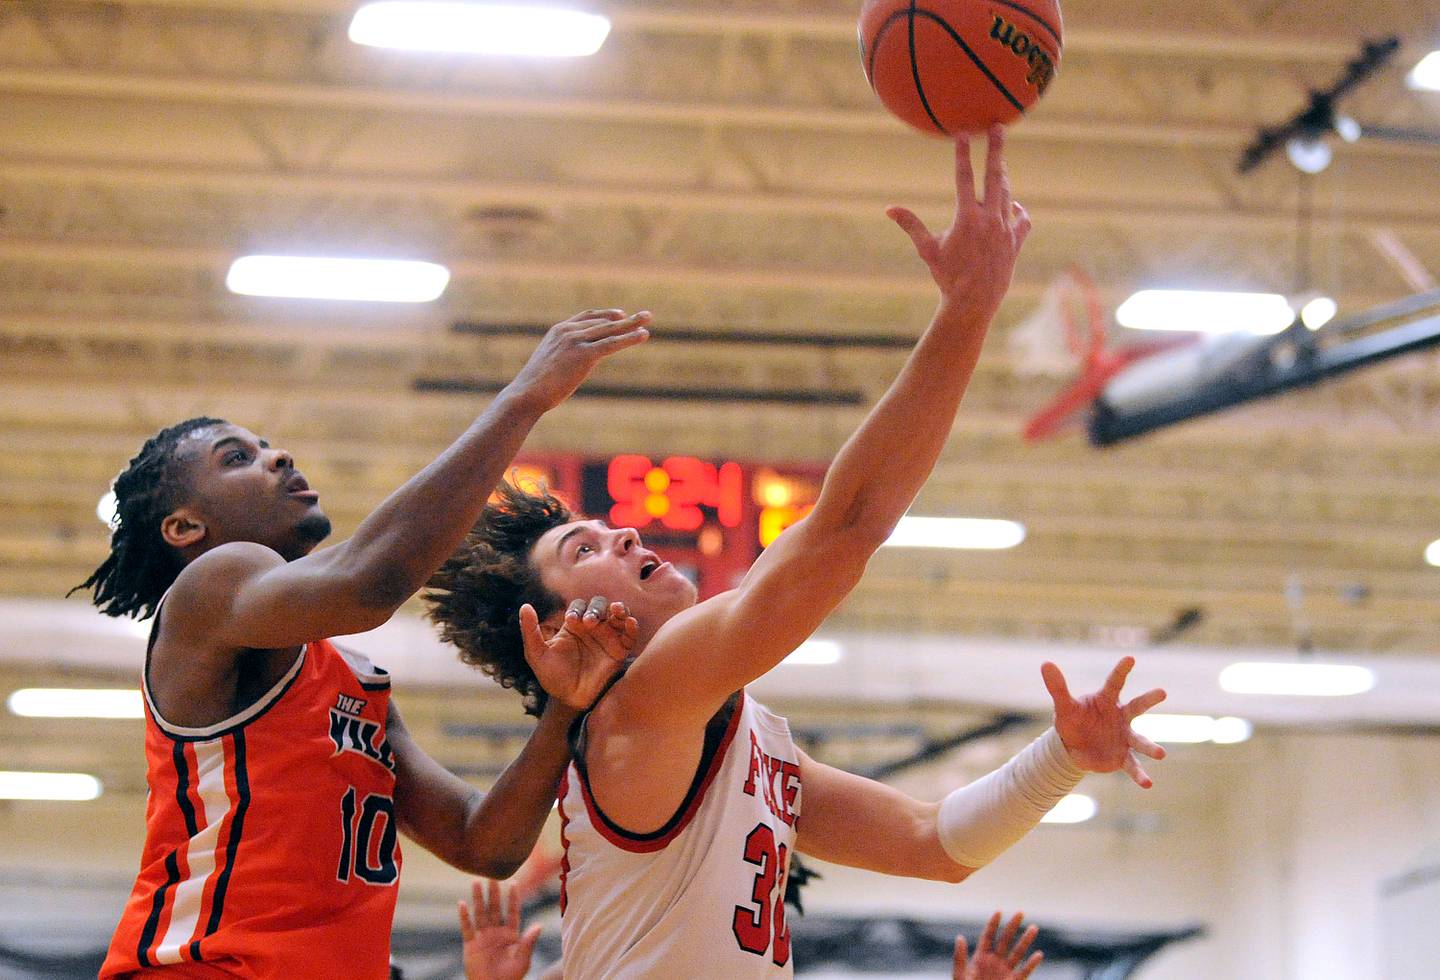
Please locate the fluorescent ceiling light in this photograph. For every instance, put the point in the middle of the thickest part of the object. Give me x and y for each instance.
(1230, 730)
(107, 509)
(1205, 312)
(1074, 808)
(480, 28)
(60, 702)
(1177, 729)
(310, 277)
(1426, 74)
(816, 652)
(1318, 312)
(1306, 680)
(1432, 553)
(955, 532)
(48, 786)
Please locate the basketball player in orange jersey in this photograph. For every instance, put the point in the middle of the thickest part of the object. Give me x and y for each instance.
(686, 798)
(279, 770)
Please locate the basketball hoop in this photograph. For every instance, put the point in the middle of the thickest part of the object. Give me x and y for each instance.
(1071, 326)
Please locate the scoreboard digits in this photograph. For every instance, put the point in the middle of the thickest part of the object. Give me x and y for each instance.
(711, 519)
(674, 492)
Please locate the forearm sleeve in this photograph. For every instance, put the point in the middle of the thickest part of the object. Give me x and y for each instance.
(979, 821)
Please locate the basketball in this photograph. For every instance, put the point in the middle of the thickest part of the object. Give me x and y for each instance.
(959, 66)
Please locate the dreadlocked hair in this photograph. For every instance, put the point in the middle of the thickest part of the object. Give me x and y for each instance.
(141, 566)
(475, 597)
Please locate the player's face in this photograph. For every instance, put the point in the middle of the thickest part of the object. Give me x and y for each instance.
(588, 558)
(244, 489)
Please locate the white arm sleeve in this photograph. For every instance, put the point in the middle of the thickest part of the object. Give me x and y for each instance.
(979, 821)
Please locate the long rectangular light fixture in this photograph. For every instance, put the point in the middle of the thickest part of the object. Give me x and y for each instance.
(1426, 74)
(63, 702)
(48, 786)
(1298, 679)
(1170, 729)
(480, 28)
(819, 652)
(315, 277)
(1193, 311)
(1074, 808)
(955, 532)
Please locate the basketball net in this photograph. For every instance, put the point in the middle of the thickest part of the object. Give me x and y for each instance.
(1070, 327)
(1051, 340)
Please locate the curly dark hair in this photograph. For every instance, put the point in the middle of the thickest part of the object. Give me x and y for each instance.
(141, 566)
(476, 596)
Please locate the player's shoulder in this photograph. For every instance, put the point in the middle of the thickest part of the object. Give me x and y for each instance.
(232, 559)
(218, 572)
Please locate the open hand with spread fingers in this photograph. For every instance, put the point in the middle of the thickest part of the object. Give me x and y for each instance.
(1096, 728)
(492, 946)
(577, 660)
(572, 348)
(973, 260)
(998, 959)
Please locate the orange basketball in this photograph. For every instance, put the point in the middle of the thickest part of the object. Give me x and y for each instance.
(949, 66)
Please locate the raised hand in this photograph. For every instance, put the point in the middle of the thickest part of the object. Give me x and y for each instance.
(973, 260)
(1096, 728)
(572, 348)
(576, 662)
(998, 960)
(490, 940)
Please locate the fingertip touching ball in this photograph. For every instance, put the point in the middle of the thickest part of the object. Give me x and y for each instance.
(953, 66)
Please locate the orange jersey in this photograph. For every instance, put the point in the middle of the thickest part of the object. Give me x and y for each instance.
(270, 843)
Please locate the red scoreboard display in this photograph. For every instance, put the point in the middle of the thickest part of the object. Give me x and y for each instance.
(711, 519)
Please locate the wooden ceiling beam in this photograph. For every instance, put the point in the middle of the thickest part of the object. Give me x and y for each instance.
(795, 280)
(251, 93)
(1362, 217)
(713, 19)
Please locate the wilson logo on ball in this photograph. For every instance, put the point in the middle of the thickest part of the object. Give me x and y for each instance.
(1042, 66)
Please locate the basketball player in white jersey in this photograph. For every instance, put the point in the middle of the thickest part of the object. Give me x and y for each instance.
(686, 798)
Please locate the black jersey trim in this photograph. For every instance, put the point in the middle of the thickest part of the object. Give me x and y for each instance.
(157, 907)
(235, 722)
(182, 789)
(711, 758)
(237, 828)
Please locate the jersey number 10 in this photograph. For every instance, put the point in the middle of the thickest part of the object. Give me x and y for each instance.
(367, 848)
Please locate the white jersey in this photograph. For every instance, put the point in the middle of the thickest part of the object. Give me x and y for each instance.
(703, 896)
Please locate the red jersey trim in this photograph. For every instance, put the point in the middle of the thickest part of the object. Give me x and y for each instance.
(659, 839)
(563, 792)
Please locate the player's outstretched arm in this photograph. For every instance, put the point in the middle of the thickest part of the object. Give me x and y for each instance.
(357, 585)
(805, 574)
(847, 819)
(493, 833)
